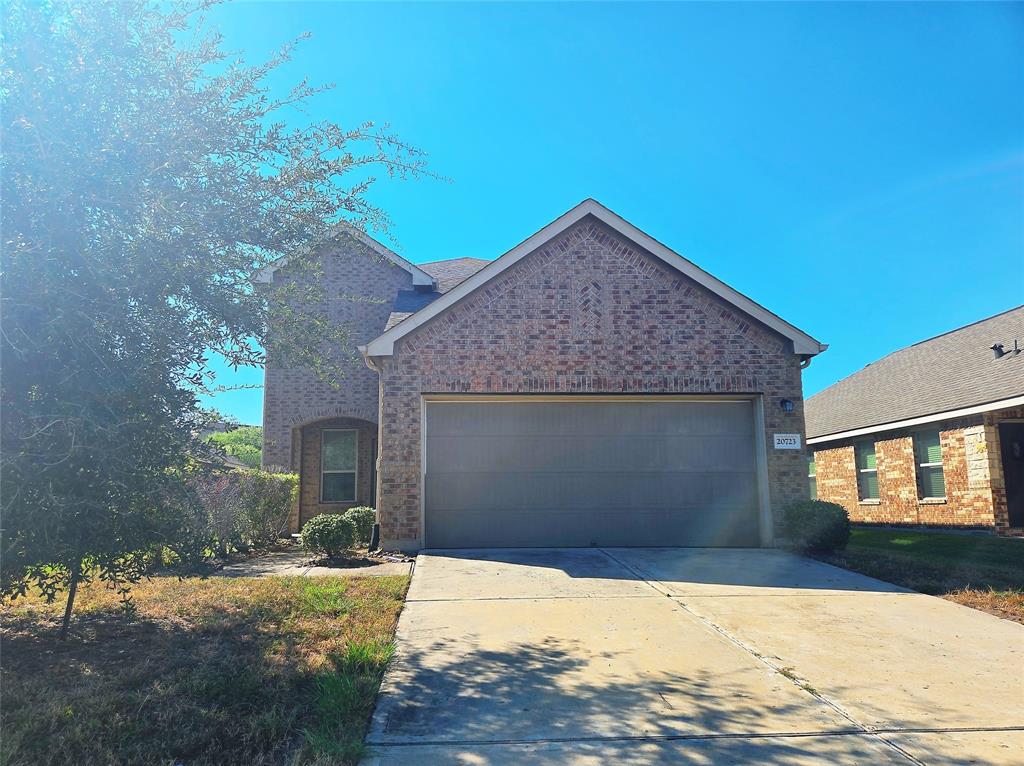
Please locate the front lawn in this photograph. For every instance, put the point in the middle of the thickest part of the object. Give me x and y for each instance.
(276, 670)
(980, 571)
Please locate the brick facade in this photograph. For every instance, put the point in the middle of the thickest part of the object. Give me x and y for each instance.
(309, 488)
(588, 312)
(975, 491)
(360, 290)
(987, 457)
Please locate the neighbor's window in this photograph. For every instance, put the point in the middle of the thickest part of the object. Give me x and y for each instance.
(867, 472)
(338, 466)
(928, 450)
(812, 477)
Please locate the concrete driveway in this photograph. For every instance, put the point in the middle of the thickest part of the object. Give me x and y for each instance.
(690, 656)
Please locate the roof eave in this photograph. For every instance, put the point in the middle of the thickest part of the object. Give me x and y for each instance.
(935, 417)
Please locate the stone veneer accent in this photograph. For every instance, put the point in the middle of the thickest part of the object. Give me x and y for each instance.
(588, 312)
(975, 490)
(360, 290)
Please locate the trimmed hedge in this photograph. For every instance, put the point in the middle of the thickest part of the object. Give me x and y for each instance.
(328, 534)
(267, 500)
(241, 510)
(815, 525)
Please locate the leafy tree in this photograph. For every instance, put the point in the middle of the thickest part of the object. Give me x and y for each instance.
(147, 179)
(244, 443)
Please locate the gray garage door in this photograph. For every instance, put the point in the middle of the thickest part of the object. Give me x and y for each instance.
(578, 473)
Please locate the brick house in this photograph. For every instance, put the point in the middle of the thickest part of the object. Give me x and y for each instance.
(590, 386)
(930, 435)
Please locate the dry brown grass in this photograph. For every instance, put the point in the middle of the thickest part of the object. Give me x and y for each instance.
(1006, 604)
(256, 671)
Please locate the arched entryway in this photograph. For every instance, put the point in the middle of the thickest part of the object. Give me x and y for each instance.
(337, 466)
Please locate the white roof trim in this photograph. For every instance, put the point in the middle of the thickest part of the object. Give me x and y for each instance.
(1013, 401)
(419, 276)
(384, 344)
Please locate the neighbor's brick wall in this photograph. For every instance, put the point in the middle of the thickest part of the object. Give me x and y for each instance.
(309, 486)
(360, 292)
(586, 313)
(965, 464)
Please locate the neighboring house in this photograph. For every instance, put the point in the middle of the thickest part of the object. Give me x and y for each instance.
(932, 434)
(590, 386)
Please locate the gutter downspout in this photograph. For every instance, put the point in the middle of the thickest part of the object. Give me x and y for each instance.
(371, 361)
(374, 365)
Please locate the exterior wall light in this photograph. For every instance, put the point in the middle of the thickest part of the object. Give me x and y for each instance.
(786, 405)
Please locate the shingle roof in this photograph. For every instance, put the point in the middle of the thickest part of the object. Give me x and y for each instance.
(408, 301)
(449, 273)
(395, 317)
(947, 372)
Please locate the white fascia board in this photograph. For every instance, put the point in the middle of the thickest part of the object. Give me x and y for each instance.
(419, 276)
(803, 344)
(935, 417)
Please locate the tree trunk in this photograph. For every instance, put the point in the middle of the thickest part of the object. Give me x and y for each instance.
(72, 589)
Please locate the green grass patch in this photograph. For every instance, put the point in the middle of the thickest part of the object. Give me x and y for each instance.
(256, 671)
(344, 699)
(985, 572)
(992, 552)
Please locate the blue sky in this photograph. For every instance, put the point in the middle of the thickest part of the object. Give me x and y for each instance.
(858, 169)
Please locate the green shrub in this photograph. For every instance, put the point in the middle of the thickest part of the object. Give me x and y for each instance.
(266, 502)
(363, 518)
(240, 510)
(814, 525)
(328, 534)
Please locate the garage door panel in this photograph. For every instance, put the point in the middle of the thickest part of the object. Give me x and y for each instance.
(550, 527)
(492, 418)
(485, 492)
(565, 473)
(608, 452)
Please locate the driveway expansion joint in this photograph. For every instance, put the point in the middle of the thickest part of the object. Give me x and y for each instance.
(732, 607)
(786, 673)
(853, 732)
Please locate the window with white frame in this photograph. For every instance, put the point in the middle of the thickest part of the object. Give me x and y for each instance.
(812, 476)
(931, 482)
(867, 471)
(338, 450)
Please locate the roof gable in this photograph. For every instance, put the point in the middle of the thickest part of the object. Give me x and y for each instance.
(419, 276)
(942, 375)
(383, 345)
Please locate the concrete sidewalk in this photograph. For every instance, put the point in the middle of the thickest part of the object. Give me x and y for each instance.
(297, 564)
(653, 656)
